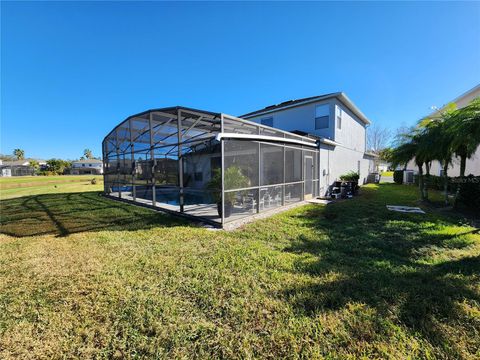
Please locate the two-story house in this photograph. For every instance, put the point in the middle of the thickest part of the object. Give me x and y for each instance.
(88, 166)
(335, 121)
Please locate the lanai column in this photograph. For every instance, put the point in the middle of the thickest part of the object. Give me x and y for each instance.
(152, 158)
(180, 158)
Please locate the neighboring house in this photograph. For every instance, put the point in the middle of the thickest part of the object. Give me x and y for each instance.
(337, 124)
(88, 166)
(18, 167)
(381, 166)
(472, 164)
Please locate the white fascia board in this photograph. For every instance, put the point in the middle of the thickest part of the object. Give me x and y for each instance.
(354, 108)
(254, 137)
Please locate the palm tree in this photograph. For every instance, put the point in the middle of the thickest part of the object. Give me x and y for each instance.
(411, 146)
(34, 164)
(19, 154)
(464, 127)
(438, 140)
(87, 153)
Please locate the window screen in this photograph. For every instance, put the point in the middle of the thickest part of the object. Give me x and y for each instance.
(271, 171)
(322, 113)
(339, 118)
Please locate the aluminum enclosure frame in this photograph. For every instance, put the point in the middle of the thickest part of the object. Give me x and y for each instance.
(210, 166)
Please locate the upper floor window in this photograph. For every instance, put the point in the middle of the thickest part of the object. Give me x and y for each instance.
(339, 118)
(322, 116)
(267, 121)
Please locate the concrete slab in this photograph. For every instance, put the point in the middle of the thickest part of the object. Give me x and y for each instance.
(405, 209)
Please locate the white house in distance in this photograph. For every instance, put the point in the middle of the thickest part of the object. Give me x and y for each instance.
(19, 167)
(472, 164)
(336, 122)
(88, 166)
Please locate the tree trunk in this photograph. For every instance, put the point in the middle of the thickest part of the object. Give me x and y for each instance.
(463, 165)
(426, 180)
(420, 181)
(445, 184)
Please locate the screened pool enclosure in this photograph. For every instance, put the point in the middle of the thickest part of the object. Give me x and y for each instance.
(210, 166)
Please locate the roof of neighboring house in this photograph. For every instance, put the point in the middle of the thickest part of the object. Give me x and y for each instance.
(299, 102)
(88, 161)
(467, 94)
(16, 163)
(462, 100)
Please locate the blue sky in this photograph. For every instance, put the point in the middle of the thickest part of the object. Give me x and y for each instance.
(71, 71)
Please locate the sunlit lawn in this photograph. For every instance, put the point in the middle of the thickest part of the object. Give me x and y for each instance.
(84, 276)
(17, 186)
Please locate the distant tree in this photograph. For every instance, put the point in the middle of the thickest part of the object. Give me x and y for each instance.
(34, 163)
(19, 154)
(82, 157)
(400, 134)
(88, 154)
(385, 154)
(378, 138)
(58, 166)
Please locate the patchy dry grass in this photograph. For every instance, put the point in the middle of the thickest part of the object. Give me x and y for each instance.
(18, 186)
(84, 276)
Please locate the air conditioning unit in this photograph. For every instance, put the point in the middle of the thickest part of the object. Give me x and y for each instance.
(408, 177)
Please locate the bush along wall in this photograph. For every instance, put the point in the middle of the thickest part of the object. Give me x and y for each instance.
(469, 195)
(436, 182)
(398, 176)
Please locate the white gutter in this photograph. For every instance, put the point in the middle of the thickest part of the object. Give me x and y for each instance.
(221, 136)
(329, 142)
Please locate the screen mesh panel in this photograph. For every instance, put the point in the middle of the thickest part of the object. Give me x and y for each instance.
(171, 158)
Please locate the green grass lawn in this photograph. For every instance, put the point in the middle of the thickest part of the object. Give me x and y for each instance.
(17, 186)
(82, 276)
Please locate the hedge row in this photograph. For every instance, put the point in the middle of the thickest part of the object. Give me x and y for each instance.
(469, 194)
(398, 176)
(469, 188)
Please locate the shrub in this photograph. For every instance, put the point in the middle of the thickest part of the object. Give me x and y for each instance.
(437, 182)
(350, 176)
(234, 179)
(469, 194)
(398, 176)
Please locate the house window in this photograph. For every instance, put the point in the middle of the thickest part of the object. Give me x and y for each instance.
(83, 165)
(267, 121)
(339, 118)
(322, 117)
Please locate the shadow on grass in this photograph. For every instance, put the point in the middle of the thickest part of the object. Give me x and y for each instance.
(366, 254)
(64, 214)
